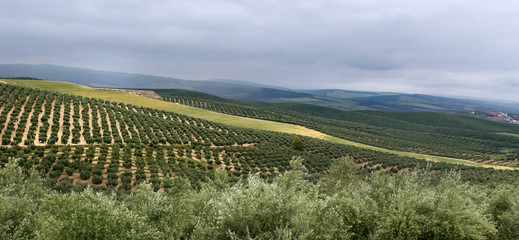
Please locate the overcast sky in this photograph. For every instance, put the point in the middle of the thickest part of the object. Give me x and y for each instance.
(447, 47)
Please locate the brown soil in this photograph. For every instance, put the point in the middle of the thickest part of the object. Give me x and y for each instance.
(118, 125)
(142, 93)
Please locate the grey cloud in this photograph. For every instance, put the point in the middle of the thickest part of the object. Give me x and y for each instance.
(456, 47)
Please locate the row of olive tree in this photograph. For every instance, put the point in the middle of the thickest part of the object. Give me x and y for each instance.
(450, 135)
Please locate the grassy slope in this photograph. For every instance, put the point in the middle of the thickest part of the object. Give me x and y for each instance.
(116, 96)
(509, 134)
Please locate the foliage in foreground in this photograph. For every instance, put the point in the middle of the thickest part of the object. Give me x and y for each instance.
(341, 206)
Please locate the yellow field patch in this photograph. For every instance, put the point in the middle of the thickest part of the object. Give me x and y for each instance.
(508, 134)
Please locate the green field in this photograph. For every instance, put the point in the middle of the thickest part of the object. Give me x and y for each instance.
(117, 96)
(509, 134)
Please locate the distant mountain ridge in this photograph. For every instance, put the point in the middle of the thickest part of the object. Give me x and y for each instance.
(243, 90)
(414, 102)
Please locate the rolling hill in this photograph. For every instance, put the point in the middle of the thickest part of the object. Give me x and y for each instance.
(92, 78)
(388, 101)
(359, 135)
(80, 162)
(93, 139)
(340, 99)
(419, 132)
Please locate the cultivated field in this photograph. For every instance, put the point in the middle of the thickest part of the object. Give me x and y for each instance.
(122, 97)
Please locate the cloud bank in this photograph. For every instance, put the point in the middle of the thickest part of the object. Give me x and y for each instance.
(465, 48)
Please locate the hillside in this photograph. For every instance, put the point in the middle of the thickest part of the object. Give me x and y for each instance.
(390, 101)
(419, 132)
(238, 121)
(159, 174)
(92, 78)
(117, 145)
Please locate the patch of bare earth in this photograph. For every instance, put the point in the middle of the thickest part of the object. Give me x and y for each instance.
(142, 93)
(121, 126)
(487, 161)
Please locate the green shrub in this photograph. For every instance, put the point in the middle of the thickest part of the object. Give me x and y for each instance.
(97, 179)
